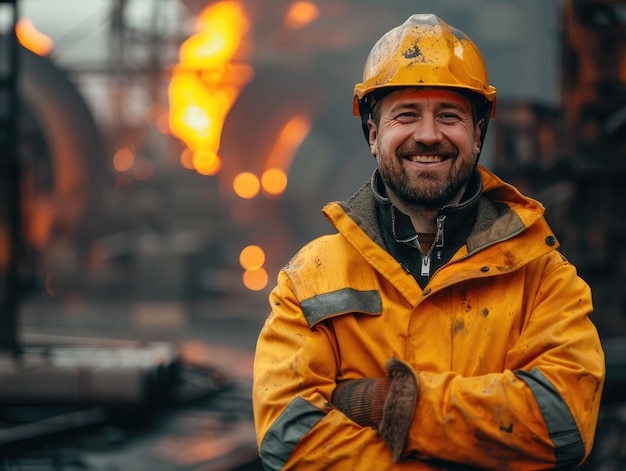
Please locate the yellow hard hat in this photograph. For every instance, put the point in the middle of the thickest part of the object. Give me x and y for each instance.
(424, 51)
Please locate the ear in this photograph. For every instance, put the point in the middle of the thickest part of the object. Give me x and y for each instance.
(478, 129)
(372, 136)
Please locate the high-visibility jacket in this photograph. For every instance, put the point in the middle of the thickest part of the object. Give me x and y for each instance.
(509, 366)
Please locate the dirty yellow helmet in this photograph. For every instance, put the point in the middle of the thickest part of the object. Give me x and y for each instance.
(424, 51)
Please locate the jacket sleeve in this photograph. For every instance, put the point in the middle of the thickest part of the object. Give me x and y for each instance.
(541, 411)
(294, 376)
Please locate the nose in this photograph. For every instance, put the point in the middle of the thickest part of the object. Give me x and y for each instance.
(427, 131)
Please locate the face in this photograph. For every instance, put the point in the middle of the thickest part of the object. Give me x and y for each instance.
(426, 146)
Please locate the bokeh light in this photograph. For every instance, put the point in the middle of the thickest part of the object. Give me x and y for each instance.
(246, 185)
(252, 257)
(274, 181)
(301, 14)
(123, 160)
(255, 280)
(206, 162)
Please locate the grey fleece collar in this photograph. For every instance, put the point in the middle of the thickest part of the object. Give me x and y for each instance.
(459, 217)
(362, 208)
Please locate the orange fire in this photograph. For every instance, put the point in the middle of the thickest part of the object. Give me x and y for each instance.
(207, 81)
(274, 178)
(31, 38)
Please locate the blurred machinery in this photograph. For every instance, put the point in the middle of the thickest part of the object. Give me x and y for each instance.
(52, 390)
(594, 107)
(572, 157)
(10, 211)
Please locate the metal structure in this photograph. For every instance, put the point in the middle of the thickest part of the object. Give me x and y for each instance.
(594, 111)
(572, 157)
(53, 388)
(10, 211)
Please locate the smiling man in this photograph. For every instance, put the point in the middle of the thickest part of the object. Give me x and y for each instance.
(440, 327)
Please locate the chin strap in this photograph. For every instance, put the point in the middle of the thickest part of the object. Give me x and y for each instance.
(483, 133)
(365, 112)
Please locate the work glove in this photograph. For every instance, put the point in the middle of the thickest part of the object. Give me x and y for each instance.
(386, 404)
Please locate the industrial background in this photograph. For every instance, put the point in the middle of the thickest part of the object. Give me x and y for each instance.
(161, 160)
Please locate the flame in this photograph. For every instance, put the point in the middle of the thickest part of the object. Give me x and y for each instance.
(31, 38)
(207, 81)
(289, 139)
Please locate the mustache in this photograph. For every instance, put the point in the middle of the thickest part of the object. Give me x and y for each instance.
(445, 150)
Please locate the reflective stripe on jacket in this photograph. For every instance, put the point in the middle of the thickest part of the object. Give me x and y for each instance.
(510, 367)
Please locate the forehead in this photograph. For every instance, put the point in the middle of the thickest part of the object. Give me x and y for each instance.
(435, 96)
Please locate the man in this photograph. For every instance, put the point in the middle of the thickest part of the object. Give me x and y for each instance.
(440, 328)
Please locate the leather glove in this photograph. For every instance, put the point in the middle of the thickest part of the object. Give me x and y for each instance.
(386, 404)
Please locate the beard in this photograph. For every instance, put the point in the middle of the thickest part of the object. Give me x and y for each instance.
(429, 189)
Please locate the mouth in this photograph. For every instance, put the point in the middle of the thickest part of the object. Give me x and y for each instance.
(425, 159)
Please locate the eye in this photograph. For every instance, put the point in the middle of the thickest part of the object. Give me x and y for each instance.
(449, 116)
(405, 116)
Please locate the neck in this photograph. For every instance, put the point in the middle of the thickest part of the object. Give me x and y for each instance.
(422, 217)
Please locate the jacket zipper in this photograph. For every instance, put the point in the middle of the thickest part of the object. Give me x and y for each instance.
(438, 242)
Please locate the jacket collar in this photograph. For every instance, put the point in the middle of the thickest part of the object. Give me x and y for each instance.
(458, 218)
(502, 212)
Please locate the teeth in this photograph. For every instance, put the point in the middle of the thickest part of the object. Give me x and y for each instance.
(425, 158)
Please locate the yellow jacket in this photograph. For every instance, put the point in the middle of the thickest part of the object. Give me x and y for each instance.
(509, 366)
